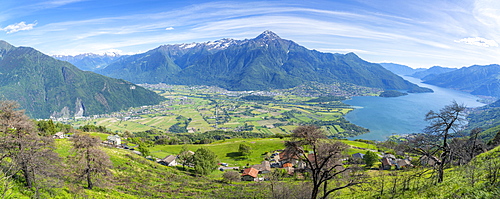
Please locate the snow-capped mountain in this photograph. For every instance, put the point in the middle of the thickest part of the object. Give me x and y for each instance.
(262, 63)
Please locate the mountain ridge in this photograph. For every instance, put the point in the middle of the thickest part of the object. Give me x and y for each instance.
(47, 87)
(476, 79)
(262, 63)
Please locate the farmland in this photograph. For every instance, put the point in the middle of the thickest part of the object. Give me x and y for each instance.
(203, 108)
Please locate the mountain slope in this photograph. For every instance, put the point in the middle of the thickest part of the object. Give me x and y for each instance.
(263, 63)
(89, 61)
(432, 72)
(48, 87)
(477, 80)
(400, 69)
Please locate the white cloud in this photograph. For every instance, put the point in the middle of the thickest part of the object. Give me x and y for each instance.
(18, 27)
(169, 28)
(478, 41)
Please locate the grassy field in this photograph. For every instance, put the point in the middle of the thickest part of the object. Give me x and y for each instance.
(154, 181)
(227, 150)
(134, 177)
(209, 110)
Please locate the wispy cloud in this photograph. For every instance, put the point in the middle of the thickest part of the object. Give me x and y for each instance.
(57, 3)
(401, 30)
(18, 27)
(478, 41)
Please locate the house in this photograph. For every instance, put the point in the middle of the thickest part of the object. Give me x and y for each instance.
(386, 163)
(358, 155)
(264, 167)
(187, 153)
(169, 161)
(400, 163)
(249, 174)
(289, 168)
(275, 156)
(390, 156)
(59, 135)
(114, 140)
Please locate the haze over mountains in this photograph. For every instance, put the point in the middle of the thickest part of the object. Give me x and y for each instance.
(476, 80)
(415, 72)
(47, 87)
(90, 61)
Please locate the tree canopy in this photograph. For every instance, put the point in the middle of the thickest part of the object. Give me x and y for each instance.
(205, 161)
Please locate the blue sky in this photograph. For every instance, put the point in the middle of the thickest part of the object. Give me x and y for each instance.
(423, 33)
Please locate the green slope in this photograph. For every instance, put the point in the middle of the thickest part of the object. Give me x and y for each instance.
(48, 87)
(477, 80)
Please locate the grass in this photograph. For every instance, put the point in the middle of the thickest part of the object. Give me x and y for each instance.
(359, 144)
(227, 150)
(137, 177)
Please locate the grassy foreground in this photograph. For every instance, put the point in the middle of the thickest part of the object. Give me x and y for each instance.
(137, 177)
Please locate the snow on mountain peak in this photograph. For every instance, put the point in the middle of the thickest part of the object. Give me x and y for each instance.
(268, 35)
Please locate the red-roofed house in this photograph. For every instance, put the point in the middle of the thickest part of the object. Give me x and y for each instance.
(249, 174)
(289, 168)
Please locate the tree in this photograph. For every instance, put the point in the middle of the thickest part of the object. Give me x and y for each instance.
(46, 127)
(231, 176)
(185, 156)
(144, 150)
(204, 161)
(370, 158)
(90, 162)
(323, 159)
(23, 150)
(245, 149)
(436, 137)
(463, 149)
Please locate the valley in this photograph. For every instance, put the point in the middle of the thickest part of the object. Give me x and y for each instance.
(198, 109)
(201, 99)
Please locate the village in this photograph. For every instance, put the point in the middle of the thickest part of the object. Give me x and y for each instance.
(290, 163)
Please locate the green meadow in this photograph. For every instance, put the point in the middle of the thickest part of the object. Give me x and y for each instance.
(209, 110)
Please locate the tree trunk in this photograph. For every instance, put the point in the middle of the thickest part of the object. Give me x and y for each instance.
(89, 181)
(26, 175)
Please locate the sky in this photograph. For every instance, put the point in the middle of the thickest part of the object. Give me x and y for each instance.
(420, 34)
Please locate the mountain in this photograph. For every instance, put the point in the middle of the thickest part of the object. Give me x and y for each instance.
(90, 61)
(48, 87)
(431, 72)
(263, 63)
(401, 69)
(477, 80)
(487, 118)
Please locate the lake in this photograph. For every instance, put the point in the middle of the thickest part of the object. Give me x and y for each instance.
(402, 115)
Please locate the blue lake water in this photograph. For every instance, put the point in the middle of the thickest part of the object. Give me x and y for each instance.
(402, 115)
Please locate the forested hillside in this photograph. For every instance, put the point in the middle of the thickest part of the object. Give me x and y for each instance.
(48, 87)
(477, 80)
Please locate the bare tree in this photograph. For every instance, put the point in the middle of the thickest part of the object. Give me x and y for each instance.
(231, 176)
(323, 159)
(437, 135)
(90, 162)
(463, 149)
(23, 150)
